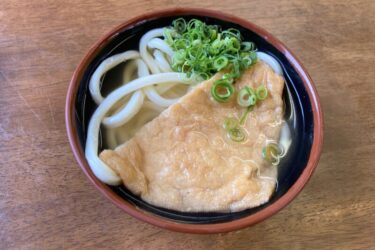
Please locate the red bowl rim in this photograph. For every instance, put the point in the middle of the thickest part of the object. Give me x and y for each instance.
(174, 225)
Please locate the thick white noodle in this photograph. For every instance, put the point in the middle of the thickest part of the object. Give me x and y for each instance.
(272, 62)
(157, 43)
(129, 71)
(135, 103)
(150, 91)
(106, 65)
(154, 96)
(161, 61)
(143, 49)
(99, 168)
(123, 113)
(126, 113)
(142, 68)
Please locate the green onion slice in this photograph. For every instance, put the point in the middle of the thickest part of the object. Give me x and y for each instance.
(237, 134)
(272, 153)
(230, 123)
(261, 92)
(220, 63)
(247, 46)
(231, 32)
(179, 25)
(203, 76)
(246, 97)
(222, 90)
(168, 35)
(228, 77)
(245, 114)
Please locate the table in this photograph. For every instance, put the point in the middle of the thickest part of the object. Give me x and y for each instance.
(46, 202)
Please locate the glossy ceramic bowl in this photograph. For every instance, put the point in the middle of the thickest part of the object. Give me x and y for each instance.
(303, 114)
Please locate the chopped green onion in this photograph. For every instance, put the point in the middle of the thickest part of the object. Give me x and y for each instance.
(231, 32)
(179, 25)
(220, 63)
(230, 123)
(245, 114)
(272, 153)
(204, 76)
(228, 77)
(246, 97)
(213, 32)
(232, 45)
(247, 46)
(222, 90)
(261, 92)
(179, 57)
(204, 50)
(237, 134)
(186, 69)
(181, 44)
(168, 35)
(195, 35)
(194, 24)
(253, 56)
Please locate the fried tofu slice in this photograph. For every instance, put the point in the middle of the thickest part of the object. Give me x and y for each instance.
(183, 159)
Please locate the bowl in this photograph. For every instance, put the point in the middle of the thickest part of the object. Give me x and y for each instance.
(303, 115)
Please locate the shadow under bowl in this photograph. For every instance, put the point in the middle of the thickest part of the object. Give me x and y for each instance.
(303, 115)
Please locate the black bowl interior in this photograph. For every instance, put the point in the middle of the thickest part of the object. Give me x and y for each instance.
(299, 116)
